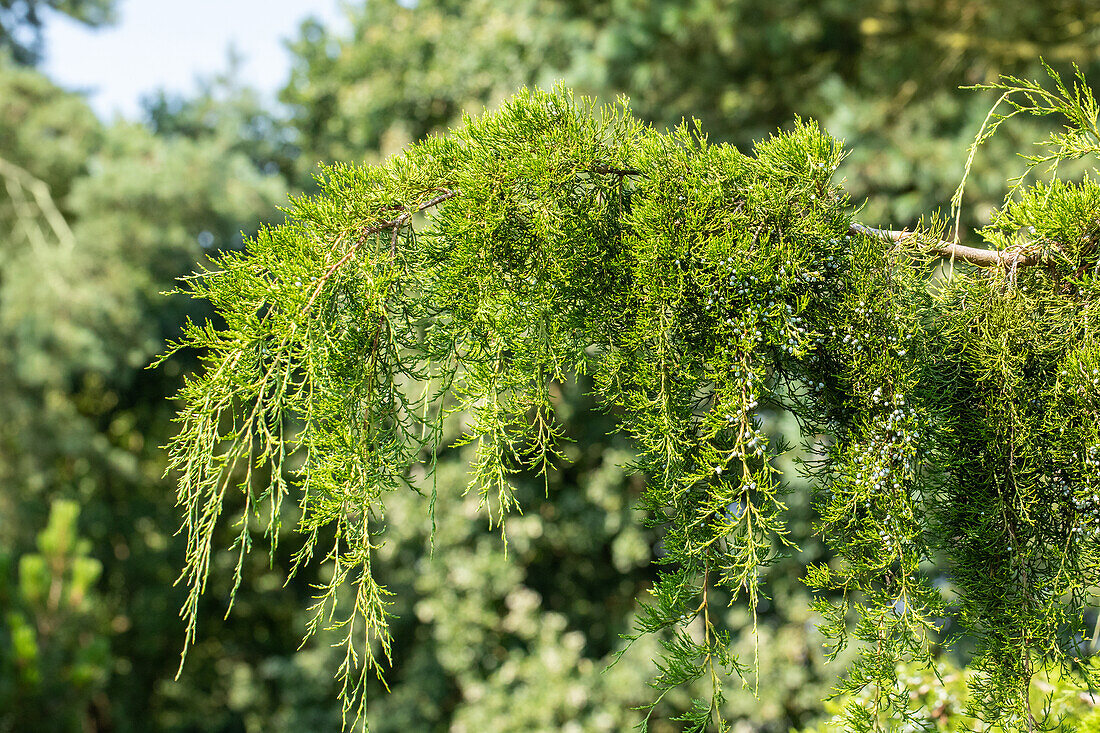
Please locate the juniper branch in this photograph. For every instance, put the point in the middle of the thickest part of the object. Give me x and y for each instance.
(727, 279)
(953, 250)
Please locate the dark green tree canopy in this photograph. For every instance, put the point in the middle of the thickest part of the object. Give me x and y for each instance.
(948, 408)
(21, 23)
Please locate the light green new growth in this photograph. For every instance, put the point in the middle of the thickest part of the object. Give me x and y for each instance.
(953, 415)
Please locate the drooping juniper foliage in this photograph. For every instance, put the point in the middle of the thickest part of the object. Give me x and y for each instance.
(953, 408)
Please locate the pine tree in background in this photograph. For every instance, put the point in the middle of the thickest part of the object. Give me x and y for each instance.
(95, 222)
(54, 633)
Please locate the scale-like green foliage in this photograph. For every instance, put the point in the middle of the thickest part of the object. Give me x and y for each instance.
(950, 413)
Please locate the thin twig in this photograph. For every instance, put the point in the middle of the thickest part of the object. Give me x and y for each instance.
(973, 255)
(395, 224)
(603, 170)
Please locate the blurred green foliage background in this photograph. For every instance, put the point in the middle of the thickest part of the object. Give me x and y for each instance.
(97, 219)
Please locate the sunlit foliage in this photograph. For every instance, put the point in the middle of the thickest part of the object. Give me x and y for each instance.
(950, 410)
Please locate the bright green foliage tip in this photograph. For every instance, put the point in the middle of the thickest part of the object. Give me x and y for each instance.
(953, 416)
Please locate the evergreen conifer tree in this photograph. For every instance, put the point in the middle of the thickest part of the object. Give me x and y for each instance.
(948, 393)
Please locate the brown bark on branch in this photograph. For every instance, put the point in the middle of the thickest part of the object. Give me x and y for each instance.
(973, 255)
(394, 224)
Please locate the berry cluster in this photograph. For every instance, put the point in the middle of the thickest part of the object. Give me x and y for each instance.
(1086, 500)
